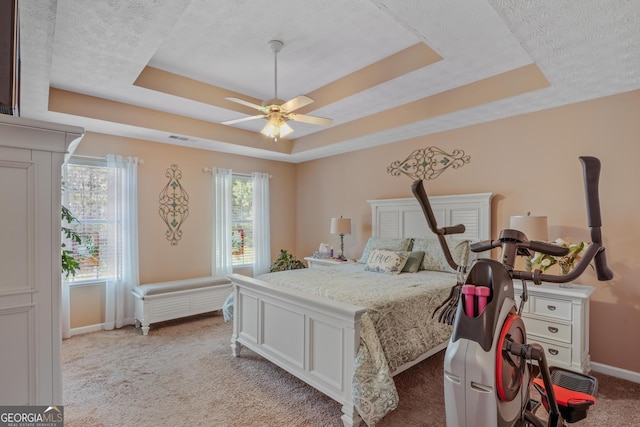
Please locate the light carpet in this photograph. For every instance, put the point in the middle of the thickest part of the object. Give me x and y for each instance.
(183, 374)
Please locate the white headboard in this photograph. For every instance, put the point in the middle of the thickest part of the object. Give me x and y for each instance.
(404, 217)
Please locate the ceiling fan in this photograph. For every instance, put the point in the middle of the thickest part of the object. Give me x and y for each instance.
(276, 111)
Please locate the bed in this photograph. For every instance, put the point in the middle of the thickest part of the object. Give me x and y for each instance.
(315, 325)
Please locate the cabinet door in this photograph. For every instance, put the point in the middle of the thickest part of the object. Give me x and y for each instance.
(30, 279)
(17, 281)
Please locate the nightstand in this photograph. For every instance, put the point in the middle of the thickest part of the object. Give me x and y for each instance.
(558, 319)
(324, 262)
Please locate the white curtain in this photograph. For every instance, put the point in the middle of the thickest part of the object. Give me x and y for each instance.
(261, 223)
(123, 240)
(221, 262)
(65, 313)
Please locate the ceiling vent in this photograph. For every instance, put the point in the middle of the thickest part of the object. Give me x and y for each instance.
(9, 57)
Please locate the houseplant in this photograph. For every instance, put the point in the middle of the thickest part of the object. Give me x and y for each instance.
(69, 264)
(286, 261)
(566, 262)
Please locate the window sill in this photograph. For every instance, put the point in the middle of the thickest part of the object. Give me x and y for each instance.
(86, 282)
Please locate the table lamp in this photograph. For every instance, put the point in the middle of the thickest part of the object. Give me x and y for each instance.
(341, 226)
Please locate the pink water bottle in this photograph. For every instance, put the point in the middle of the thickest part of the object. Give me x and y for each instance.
(469, 292)
(482, 292)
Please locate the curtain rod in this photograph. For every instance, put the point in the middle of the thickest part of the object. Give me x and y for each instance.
(80, 156)
(209, 170)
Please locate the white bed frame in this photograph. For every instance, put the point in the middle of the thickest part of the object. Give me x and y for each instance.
(317, 339)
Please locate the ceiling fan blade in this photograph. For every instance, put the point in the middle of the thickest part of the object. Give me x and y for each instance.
(314, 120)
(244, 119)
(247, 103)
(295, 103)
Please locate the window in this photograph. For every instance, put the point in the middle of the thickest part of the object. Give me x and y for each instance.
(242, 221)
(85, 195)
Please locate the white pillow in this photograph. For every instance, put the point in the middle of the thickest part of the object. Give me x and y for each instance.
(388, 262)
(434, 259)
(388, 243)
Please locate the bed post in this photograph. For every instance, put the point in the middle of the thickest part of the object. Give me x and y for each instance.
(350, 417)
(235, 345)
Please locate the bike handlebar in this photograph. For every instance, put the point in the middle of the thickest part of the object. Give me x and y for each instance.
(544, 247)
(512, 241)
(418, 191)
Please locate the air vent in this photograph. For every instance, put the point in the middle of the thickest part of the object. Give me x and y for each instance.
(9, 57)
(179, 138)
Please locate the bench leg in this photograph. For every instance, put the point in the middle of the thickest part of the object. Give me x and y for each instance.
(145, 328)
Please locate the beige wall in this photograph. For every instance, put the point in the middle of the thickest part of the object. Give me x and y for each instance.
(191, 257)
(530, 163)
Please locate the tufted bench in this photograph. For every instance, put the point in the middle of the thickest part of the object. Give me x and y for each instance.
(157, 302)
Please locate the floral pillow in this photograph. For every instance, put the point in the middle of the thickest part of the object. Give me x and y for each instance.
(384, 261)
(434, 259)
(388, 243)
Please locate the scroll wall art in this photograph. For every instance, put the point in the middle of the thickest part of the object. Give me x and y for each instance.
(174, 205)
(428, 163)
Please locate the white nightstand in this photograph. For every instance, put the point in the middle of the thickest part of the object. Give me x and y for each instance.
(324, 262)
(558, 319)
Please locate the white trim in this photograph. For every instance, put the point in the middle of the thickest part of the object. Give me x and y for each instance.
(616, 372)
(86, 329)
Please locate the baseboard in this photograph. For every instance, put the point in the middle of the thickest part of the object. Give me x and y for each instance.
(87, 329)
(616, 372)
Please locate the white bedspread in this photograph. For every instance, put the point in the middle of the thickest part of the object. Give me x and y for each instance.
(396, 329)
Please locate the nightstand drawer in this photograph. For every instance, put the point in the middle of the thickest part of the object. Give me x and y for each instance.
(548, 307)
(549, 330)
(557, 355)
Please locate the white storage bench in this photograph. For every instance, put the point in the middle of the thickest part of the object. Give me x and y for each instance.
(157, 302)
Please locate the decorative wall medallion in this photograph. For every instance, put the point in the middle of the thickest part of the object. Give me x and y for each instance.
(174, 204)
(428, 163)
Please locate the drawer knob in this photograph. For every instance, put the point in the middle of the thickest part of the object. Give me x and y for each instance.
(551, 307)
(553, 351)
(552, 329)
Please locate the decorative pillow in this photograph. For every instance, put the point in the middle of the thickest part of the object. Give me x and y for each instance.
(389, 262)
(413, 262)
(388, 243)
(434, 259)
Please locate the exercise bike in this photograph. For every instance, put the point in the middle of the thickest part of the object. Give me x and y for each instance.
(486, 368)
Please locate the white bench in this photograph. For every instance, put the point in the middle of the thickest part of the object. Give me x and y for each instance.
(157, 302)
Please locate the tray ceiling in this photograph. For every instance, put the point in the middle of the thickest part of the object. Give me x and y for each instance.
(383, 70)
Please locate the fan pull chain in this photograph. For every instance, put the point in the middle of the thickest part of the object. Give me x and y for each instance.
(275, 74)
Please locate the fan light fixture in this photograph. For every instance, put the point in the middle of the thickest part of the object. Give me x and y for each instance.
(275, 111)
(276, 127)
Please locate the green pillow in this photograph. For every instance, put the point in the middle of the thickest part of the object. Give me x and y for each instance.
(413, 262)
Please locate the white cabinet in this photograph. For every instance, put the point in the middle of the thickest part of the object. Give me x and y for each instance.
(558, 319)
(31, 154)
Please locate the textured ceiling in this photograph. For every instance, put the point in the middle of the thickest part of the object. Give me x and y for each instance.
(383, 70)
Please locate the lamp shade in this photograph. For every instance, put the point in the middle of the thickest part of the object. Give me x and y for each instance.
(534, 227)
(340, 225)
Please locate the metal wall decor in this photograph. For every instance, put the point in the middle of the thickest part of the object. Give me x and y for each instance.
(174, 204)
(428, 163)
